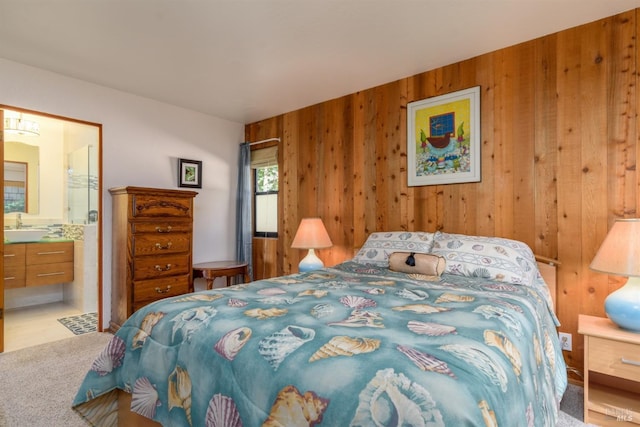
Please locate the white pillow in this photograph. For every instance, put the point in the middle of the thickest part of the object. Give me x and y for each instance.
(493, 258)
(380, 245)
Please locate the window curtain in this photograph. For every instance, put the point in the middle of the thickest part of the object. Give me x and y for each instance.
(243, 208)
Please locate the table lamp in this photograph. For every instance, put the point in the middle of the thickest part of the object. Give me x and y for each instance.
(619, 255)
(311, 235)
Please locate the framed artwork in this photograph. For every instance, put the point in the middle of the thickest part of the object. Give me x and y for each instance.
(443, 139)
(189, 173)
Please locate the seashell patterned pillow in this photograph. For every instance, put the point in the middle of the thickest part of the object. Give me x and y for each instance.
(494, 258)
(380, 245)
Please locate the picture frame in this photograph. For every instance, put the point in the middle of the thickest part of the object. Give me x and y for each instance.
(189, 173)
(443, 139)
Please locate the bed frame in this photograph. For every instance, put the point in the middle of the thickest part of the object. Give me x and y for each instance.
(128, 418)
(547, 268)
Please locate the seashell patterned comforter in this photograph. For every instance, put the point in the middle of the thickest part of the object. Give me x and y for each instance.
(351, 345)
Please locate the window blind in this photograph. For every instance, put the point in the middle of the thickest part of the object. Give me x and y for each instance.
(264, 157)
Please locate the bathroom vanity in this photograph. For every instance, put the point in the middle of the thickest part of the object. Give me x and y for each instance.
(37, 263)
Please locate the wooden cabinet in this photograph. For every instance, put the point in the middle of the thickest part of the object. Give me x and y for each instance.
(151, 248)
(37, 264)
(612, 373)
(15, 271)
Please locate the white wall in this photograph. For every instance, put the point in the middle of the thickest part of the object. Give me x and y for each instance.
(141, 142)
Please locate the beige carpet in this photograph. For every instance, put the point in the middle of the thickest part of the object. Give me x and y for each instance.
(38, 384)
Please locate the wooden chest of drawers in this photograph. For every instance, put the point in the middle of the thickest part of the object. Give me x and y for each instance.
(152, 247)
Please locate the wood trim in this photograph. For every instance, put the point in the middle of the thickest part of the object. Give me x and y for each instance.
(546, 260)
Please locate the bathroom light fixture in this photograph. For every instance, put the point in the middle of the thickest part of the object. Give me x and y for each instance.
(619, 255)
(311, 235)
(21, 126)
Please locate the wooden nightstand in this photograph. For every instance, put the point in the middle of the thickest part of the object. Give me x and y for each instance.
(611, 373)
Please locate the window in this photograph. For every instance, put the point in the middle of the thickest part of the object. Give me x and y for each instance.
(265, 208)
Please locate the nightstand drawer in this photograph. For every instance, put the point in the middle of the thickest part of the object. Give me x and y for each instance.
(615, 358)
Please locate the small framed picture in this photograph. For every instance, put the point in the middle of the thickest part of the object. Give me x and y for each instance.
(189, 173)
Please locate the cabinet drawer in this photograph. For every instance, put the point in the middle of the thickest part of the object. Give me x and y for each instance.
(157, 244)
(161, 227)
(147, 291)
(47, 253)
(14, 277)
(48, 274)
(615, 358)
(150, 206)
(14, 256)
(161, 266)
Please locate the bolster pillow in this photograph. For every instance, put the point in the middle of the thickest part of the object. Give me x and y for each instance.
(409, 262)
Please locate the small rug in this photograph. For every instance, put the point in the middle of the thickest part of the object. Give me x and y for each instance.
(81, 324)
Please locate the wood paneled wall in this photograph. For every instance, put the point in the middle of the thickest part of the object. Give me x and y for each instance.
(559, 153)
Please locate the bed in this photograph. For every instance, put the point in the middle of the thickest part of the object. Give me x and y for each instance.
(363, 343)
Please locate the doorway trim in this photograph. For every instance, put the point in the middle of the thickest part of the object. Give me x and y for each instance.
(100, 303)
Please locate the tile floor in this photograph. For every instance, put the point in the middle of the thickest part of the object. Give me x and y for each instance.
(26, 327)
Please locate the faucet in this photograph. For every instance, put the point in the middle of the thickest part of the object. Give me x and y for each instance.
(18, 220)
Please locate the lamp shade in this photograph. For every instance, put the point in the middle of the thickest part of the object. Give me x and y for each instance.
(620, 251)
(619, 254)
(311, 235)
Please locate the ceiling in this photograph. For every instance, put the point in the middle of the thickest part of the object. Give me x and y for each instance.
(247, 60)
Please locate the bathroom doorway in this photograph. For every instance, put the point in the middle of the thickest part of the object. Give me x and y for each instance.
(52, 182)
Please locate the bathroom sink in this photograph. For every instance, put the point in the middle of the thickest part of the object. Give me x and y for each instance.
(24, 235)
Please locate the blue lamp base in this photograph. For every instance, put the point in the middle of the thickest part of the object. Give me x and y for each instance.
(623, 305)
(310, 262)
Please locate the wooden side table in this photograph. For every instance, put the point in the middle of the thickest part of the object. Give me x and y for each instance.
(611, 373)
(211, 270)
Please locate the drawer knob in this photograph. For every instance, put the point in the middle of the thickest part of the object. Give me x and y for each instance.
(163, 291)
(164, 230)
(161, 268)
(167, 246)
(630, 362)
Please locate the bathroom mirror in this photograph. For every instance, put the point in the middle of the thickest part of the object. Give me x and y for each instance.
(21, 176)
(62, 168)
(16, 190)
